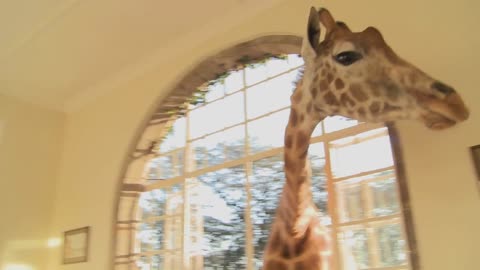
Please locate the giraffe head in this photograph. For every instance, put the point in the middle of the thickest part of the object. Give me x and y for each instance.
(357, 75)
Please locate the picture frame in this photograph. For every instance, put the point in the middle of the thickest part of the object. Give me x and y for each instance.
(475, 151)
(75, 245)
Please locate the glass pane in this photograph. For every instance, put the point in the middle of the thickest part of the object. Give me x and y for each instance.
(391, 245)
(335, 123)
(143, 263)
(319, 179)
(220, 147)
(215, 91)
(317, 131)
(157, 241)
(145, 236)
(384, 196)
(151, 236)
(234, 81)
(353, 244)
(157, 262)
(152, 203)
(165, 167)
(175, 200)
(256, 73)
(266, 186)
(212, 117)
(350, 201)
(276, 66)
(268, 132)
(176, 136)
(295, 60)
(270, 95)
(348, 155)
(220, 198)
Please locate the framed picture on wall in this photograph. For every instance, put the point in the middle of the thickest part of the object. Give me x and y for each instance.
(75, 245)
(475, 150)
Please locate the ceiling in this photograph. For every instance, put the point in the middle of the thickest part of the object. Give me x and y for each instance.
(56, 52)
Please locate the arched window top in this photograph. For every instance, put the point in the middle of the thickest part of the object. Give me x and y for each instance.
(204, 195)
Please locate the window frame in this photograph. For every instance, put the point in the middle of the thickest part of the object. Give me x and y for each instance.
(130, 189)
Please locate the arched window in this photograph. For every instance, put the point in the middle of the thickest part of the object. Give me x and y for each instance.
(208, 194)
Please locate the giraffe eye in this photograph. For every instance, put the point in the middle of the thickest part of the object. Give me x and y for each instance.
(348, 58)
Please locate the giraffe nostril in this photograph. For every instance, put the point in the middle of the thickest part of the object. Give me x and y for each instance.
(444, 89)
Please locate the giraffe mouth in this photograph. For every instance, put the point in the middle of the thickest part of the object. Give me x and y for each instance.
(437, 121)
(446, 112)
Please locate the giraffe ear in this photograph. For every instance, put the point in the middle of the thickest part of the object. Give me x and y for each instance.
(326, 19)
(310, 42)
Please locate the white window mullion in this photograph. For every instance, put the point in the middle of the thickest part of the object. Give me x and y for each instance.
(402, 209)
(332, 206)
(185, 219)
(373, 250)
(249, 247)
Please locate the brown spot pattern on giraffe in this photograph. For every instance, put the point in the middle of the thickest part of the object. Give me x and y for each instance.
(313, 91)
(288, 141)
(331, 99)
(300, 179)
(301, 244)
(323, 85)
(285, 252)
(309, 107)
(339, 84)
(289, 164)
(375, 107)
(374, 88)
(304, 154)
(357, 92)
(302, 139)
(361, 112)
(275, 240)
(329, 78)
(291, 184)
(277, 265)
(293, 117)
(393, 92)
(390, 108)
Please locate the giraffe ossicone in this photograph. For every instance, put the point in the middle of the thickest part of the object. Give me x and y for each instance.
(357, 75)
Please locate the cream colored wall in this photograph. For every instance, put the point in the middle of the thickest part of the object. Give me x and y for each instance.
(30, 148)
(435, 35)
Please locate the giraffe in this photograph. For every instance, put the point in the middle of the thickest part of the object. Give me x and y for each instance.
(356, 75)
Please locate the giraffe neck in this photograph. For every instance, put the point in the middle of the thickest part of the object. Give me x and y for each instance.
(296, 203)
(298, 240)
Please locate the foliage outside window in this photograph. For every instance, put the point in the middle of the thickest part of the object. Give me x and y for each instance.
(214, 185)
